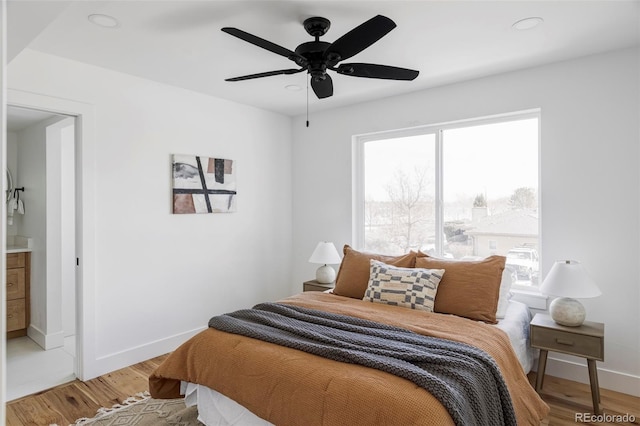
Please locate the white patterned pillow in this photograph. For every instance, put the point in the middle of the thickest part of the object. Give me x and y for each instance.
(413, 288)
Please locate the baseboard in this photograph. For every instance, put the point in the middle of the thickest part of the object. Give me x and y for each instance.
(115, 361)
(45, 341)
(608, 379)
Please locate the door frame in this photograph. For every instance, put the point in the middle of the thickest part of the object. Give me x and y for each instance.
(84, 367)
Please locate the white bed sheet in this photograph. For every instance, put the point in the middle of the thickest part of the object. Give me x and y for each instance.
(516, 324)
(215, 409)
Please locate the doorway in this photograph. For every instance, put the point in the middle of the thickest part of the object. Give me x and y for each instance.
(41, 163)
(87, 365)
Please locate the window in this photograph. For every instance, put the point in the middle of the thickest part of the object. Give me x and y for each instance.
(463, 190)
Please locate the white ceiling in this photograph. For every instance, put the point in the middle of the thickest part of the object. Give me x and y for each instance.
(180, 42)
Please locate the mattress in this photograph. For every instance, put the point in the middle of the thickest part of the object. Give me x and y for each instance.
(215, 408)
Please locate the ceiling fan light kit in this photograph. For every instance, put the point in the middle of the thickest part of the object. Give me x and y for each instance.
(317, 57)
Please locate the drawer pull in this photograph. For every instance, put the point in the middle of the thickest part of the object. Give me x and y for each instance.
(9, 284)
(9, 316)
(564, 342)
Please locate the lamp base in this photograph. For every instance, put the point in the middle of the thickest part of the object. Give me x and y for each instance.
(325, 274)
(567, 311)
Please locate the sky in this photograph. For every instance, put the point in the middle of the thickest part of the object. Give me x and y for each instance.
(490, 159)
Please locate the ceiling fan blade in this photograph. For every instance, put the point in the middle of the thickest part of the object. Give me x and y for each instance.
(359, 39)
(322, 88)
(265, 44)
(265, 74)
(377, 71)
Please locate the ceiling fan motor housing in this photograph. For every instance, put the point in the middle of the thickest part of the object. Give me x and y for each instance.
(313, 52)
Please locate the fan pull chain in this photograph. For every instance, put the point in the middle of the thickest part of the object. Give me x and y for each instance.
(307, 102)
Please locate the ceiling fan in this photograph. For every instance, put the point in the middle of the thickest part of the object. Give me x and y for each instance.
(317, 57)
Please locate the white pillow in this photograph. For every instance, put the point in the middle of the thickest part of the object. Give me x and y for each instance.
(505, 293)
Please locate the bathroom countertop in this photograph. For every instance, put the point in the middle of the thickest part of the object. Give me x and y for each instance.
(19, 244)
(18, 249)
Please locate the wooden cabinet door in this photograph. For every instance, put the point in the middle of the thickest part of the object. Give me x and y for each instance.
(15, 284)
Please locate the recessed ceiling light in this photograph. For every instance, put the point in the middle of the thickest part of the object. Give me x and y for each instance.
(104, 21)
(527, 23)
(293, 87)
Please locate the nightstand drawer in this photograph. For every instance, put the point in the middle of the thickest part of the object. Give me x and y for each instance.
(567, 342)
(314, 285)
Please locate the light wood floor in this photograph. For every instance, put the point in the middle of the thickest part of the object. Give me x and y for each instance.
(64, 404)
(566, 398)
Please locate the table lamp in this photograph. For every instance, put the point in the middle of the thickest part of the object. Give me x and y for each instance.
(325, 253)
(567, 279)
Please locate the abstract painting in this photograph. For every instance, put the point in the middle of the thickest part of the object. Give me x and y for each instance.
(203, 185)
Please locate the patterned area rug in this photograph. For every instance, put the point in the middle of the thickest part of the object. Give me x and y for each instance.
(142, 410)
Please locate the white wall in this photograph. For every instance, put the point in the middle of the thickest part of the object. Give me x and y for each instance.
(38, 170)
(32, 174)
(60, 232)
(589, 180)
(12, 164)
(159, 275)
(67, 222)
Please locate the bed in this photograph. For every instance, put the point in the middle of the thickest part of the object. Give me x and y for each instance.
(239, 380)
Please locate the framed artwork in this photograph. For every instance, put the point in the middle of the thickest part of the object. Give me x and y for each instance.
(203, 185)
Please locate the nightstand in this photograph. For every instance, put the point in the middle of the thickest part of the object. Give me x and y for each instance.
(586, 341)
(314, 285)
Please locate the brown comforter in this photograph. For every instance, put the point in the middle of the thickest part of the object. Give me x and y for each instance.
(289, 387)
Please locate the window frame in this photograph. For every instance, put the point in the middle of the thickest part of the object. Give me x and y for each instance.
(358, 175)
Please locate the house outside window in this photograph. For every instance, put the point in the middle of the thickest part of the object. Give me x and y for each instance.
(462, 190)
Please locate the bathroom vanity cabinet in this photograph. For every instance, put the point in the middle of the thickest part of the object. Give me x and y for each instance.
(18, 295)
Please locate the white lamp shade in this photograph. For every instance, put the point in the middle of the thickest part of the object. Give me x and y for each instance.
(568, 278)
(325, 253)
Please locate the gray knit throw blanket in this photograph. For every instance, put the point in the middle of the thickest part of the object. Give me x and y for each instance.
(465, 379)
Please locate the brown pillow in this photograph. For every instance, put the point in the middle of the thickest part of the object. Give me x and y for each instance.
(468, 289)
(353, 275)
